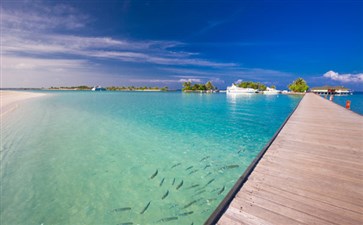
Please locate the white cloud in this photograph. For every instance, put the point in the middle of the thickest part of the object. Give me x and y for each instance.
(27, 63)
(346, 78)
(196, 80)
(44, 24)
(33, 17)
(36, 44)
(153, 81)
(39, 72)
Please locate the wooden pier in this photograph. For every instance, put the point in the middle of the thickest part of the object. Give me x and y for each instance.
(311, 173)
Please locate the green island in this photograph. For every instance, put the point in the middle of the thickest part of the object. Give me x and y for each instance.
(133, 88)
(251, 84)
(82, 87)
(200, 88)
(298, 85)
(112, 88)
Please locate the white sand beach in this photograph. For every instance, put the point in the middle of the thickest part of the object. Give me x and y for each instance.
(9, 100)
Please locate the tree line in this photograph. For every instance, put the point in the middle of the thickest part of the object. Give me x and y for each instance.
(112, 88)
(187, 86)
(298, 85)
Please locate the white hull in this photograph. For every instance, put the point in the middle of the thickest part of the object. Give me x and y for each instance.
(237, 90)
(271, 92)
(241, 92)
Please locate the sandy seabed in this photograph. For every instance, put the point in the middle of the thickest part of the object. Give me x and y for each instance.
(9, 100)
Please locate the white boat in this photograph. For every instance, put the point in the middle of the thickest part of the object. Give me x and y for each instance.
(238, 90)
(271, 91)
(98, 88)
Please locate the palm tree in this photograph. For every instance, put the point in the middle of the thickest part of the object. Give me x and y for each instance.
(209, 86)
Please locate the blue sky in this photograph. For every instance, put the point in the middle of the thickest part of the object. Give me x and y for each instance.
(164, 43)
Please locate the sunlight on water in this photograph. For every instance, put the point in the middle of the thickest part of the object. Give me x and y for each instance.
(130, 158)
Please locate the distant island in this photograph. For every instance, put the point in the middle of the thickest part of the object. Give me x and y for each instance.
(253, 85)
(200, 88)
(298, 86)
(112, 88)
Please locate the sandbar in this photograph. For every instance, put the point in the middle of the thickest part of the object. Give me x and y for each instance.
(9, 100)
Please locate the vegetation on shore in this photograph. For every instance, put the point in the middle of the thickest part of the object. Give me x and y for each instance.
(82, 87)
(113, 88)
(133, 88)
(188, 87)
(299, 85)
(251, 84)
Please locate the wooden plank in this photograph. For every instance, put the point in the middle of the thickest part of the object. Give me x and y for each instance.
(347, 155)
(260, 211)
(313, 207)
(339, 200)
(347, 169)
(235, 216)
(312, 173)
(325, 169)
(310, 187)
(322, 182)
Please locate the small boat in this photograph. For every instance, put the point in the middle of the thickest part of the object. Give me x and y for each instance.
(98, 88)
(271, 91)
(238, 90)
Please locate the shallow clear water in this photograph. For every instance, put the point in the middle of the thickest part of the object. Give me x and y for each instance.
(88, 158)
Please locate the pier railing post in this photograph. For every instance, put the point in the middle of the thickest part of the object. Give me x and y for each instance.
(347, 104)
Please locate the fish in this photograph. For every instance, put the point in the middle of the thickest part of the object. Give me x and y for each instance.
(204, 158)
(208, 174)
(241, 150)
(175, 165)
(206, 166)
(146, 207)
(232, 166)
(189, 204)
(173, 206)
(127, 223)
(121, 209)
(173, 182)
(186, 213)
(165, 195)
(210, 182)
(193, 171)
(168, 219)
(161, 182)
(229, 167)
(189, 168)
(200, 192)
(192, 223)
(154, 175)
(179, 186)
(193, 186)
(221, 191)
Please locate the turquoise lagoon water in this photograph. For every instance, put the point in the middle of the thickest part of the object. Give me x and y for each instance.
(130, 157)
(356, 101)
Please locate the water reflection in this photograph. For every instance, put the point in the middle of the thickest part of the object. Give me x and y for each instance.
(234, 97)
